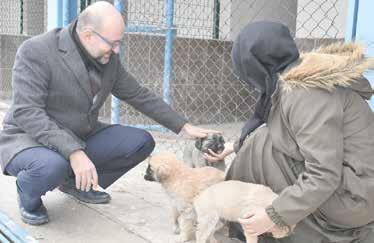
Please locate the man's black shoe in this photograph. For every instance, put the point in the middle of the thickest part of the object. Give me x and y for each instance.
(92, 196)
(35, 217)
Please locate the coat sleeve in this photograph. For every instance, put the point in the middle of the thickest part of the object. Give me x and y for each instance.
(129, 90)
(30, 91)
(315, 118)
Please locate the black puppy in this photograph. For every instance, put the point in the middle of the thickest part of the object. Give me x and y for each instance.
(193, 154)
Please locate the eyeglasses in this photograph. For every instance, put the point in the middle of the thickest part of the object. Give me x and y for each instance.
(112, 44)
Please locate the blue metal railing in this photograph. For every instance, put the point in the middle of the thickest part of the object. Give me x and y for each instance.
(12, 233)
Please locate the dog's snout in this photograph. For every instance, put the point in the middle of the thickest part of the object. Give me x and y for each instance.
(149, 174)
(148, 178)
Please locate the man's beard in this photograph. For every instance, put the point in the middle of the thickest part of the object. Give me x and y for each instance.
(104, 59)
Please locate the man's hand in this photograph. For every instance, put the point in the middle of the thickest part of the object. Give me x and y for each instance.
(213, 157)
(84, 170)
(256, 222)
(197, 132)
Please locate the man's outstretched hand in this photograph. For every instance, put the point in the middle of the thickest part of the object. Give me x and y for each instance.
(197, 132)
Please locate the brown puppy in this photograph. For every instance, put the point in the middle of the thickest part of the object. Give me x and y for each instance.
(182, 184)
(231, 200)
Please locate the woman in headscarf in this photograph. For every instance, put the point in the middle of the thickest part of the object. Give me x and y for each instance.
(311, 138)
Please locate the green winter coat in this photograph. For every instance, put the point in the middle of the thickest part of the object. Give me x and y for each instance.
(317, 148)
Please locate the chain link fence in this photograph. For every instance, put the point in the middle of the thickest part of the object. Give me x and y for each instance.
(22, 17)
(202, 85)
(19, 19)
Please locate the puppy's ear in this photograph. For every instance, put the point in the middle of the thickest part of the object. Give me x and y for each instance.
(163, 172)
(221, 139)
(199, 143)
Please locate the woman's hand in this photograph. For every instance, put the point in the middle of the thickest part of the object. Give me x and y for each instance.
(256, 222)
(213, 157)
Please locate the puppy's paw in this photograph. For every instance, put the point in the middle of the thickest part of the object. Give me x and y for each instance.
(176, 229)
(183, 237)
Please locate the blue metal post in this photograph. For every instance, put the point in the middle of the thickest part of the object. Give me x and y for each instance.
(168, 58)
(115, 112)
(359, 28)
(69, 11)
(168, 50)
(54, 14)
(351, 29)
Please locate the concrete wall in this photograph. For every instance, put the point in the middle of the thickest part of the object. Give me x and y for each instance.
(203, 86)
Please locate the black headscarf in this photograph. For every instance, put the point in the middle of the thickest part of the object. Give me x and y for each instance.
(260, 52)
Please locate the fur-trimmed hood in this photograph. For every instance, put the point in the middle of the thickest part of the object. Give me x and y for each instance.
(339, 64)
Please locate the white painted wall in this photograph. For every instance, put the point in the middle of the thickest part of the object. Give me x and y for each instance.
(243, 12)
